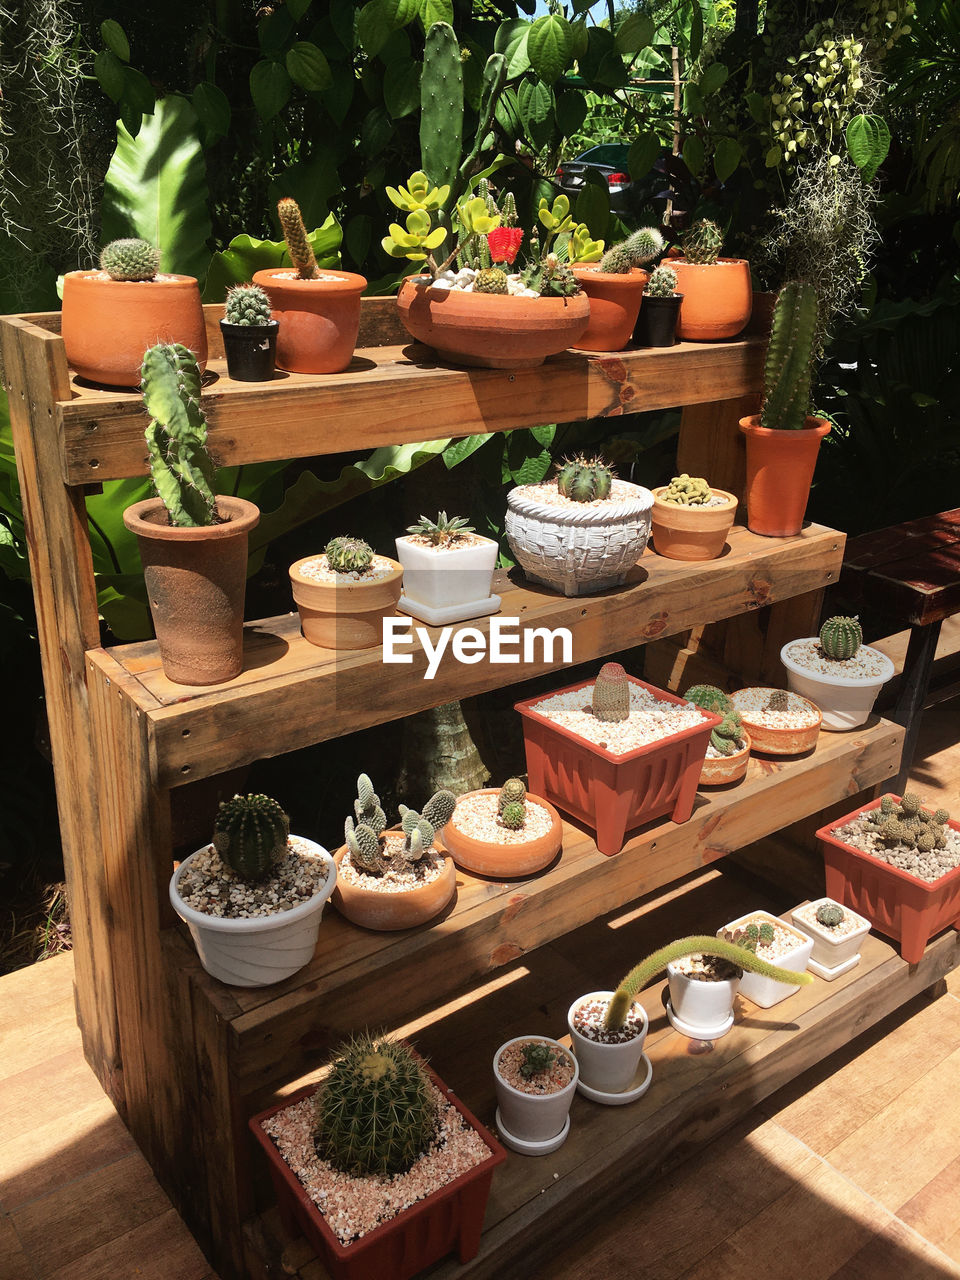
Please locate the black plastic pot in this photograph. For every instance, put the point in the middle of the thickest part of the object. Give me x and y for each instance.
(251, 350)
(657, 322)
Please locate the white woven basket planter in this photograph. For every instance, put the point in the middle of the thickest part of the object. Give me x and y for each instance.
(581, 548)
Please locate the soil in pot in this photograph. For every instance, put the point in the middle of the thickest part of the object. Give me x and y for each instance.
(319, 318)
(345, 610)
(776, 943)
(251, 350)
(844, 689)
(480, 842)
(657, 321)
(778, 721)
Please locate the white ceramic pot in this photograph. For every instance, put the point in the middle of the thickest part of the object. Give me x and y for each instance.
(845, 704)
(532, 1118)
(608, 1068)
(580, 548)
(833, 953)
(704, 1010)
(261, 950)
(764, 991)
(442, 585)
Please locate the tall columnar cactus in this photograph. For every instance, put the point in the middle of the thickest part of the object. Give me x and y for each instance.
(182, 470)
(348, 555)
(788, 370)
(585, 480)
(702, 243)
(662, 282)
(130, 260)
(841, 638)
(687, 491)
(250, 835)
(641, 247)
(247, 305)
(376, 1111)
(295, 234)
(611, 693)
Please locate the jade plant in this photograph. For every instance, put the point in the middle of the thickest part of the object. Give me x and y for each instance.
(841, 638)
(584, 479)
(725, 738)
(365, 833)
(637, 250)
(611, 694)
(180, 466)
(298, 243)
(662, 283)
(702, 243)
(130, 259)
(445, 531)
(907, 822)
(247, 305)
(788, 370)
(511, 804)
(349, 555)
(250, 835)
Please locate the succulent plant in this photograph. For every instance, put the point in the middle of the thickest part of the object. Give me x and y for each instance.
(585, 480)
(250, 835)
(751, 935)
(130, 260)
(726, 736)
(907, 823)
(840, 638)
(788, 370)
(248, 305)
(537, 1057)
(349, 555)
(365, 837)
(710, 698)
(295, 233)
(514, 815)
(662, 283)
(641, 247)
(778, 701)
(180, 466)
(512, 792)
(611, 693)
(702, 243)
(830, 914)
(490, 280)
(687, 491)
(442, 531)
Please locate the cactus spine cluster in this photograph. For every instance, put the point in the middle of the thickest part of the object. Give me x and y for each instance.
(538, 1056)
(752, 935)
(365, 838)
(349, 555)
(643, 246)
(182, 470)
(585, 480)
(702, 243)
(788, 370)
(830, 914)
(130, 260)
(662, 282)
(908, 823)
(248, 305)
(250, 835)
(295, 234)
(778, 701)
(611, 693)
(376, 1111)
(490, 280)
(841, 638)
(687, 491)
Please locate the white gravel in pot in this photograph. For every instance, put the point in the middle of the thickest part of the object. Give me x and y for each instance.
(866, 663)
(478, 817)
(318, 570)
(650, 718)
(399, 878)
(209, 886)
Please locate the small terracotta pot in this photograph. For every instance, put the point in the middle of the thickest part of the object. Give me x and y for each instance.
(717, 298)
(388, 912)
(345, 615)
(720, 770)
(107, 324)
(691, 533)
(487, 858)
(775, 741)
(196, 580)
(780, 467)
(614, 305)
(319, 319)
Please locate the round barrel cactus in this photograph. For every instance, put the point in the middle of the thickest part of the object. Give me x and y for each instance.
(840, 638)
(130, 259)
(250, 835)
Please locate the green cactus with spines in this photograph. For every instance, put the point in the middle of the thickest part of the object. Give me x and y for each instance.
(513, 791)
(887, 804)
(367, 806)
(788, 369)
(662, 282)
(250, 834)
(610, 700)
(726, 736)
(420, 829)
(830, 914)
(926, 841)
(911, 803)
(585, 480)
(180, 466)
(366, 838)
(130, 259)
(295, 234)
(702, 243)
(366, 847)
(247, 305)
(537, 1058)
(348, 555)
(441, 103)
(778, 701)
(513, 815)
(490, 280)
(941, 817)
(752, 935)
(686, 491)
(840, 638)
(641, 247)
(907, 823)
(710, 698)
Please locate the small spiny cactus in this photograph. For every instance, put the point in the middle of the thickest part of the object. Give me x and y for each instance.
(751, 935)
(585, 480)
(490, 280)
(710, 698)
(778, 701)
(687, 491)
(611, 693)
(513, 815)
(512, 792)
(537, 1057)
(907, 823)
(702, 243)
(130, 260)
(248, 305)
(726, 736)
(295, 234)
(662, 283)
(830, 914)
(641, 247)
(349, 555)
(250, 835)
(840, 638)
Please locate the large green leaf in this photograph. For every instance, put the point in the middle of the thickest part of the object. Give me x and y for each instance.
(868, 141)
(549, 47)
(307, 66)
(635, 33)
(244, 255)
(156, 188)
(312, 183)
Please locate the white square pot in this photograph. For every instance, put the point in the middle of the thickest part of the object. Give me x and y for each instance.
(754, 986)
(832, 954)
(448, 584)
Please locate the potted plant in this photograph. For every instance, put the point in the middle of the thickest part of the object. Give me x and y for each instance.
(503, 832)
(447, 571)
(659, 310)
(717, 292)
(898, 864)
(535, 1080)
(344, 594)
(249, 334)
(614, 1070)
(775, 942)
(837, 671)
(111, 316)
(581, 531)
(615, 287)
(193, 545)
(394, 879)
(780, 723)
(381, 1166)
(728, 751)
(784, 438)
(252, 899)
(690, 520)
(836, 932)
(615, 752)
(318, 310)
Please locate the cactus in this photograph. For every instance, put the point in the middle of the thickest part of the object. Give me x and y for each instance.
(662, 283)
(514, 815)
(420, 829)
(443, 531)
(503, 242)
(702, 243)
(710, 698)
(248, 305)
(250, 834)
(788, 370)
(726, 736)
(349, 555)
(376, 1111)
(537, 1057)
(295, 233)
(366, 838)
(182, 470)
(752, 935)
(583, 480)
(840, 638)
(130, 260)
(830, 914)
(611, 693)
(778, 701)
(687, 491)
(490, 280)
(512, 792)
(441, 103)
(907, 823)
(641, 247)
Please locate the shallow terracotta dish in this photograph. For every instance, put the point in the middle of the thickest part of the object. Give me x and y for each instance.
(719, 770)
(344, 615)
(390, 911)
(778, 741)
(691, 533)
(489, 858)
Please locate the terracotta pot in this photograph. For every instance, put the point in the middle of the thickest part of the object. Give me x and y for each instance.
(345, 615)
(657, 321)
(319, 319)
(196, 579)
(691, 533)
(614, 306)
(107, 324)
(487, 858)
(719, 770)
(491, 331)
(388, 912)
(717, 298)
(774, 740)
(780, 466)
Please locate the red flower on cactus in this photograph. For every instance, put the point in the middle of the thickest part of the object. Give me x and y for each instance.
(504, 243)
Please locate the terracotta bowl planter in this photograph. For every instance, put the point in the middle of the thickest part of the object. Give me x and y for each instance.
(691, 533)
(717, 298)
(107, 324)
(614, 306)
(319, 319)
(504, 861)
(717, 771)
(780, 467)
(196, 581)
(488, 330)
(387, 912)
(345, 615)
(776, 741)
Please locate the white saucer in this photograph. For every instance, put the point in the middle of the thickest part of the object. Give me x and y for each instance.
(644, 1075)
(698, 1033)
(828, 974)
(524, 1147)
(435, 617)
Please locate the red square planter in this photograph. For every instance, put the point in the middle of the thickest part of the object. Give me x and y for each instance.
(451, 1218)
(898, 904)
(612, 794)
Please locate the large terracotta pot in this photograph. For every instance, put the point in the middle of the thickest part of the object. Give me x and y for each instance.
(196, 579)
(780, 466)
(492, 331)
(345, 615)
(488, 858)
(388, 912)
(691, 533)
(107, 324)
(614, 306)
(717, 298)
(319, 319)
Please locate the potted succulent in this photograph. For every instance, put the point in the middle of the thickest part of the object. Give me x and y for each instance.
(780, 723)
(580, 532)
(503, 832)
(836, 932)
(615, 752)
(614, 1070)
(784, 438)
(615, 287)
(717, 292)
(447, 571)
(837, 672)
(394, 879)
(535, 1080)
(193, 545)
(659, 309)
(318, 309)
(249, 334)
(344, 594)
(728, 751)
(381, 1166)
(252, 898)
(775, 942)
(111, 316)
(898, 864)
(690, 520)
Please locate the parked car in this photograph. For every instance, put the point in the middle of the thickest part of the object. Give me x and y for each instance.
(609, 160)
